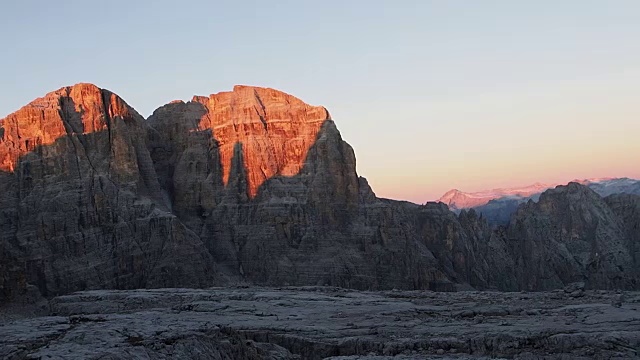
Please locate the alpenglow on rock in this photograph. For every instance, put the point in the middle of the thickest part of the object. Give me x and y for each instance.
(498, 205)
(254, 185)
(80, 204)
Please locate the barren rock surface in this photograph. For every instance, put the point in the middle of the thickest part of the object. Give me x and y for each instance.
(325, 322)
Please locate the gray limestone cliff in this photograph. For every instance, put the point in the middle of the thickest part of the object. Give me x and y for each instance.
(573, 235)
(81, 205)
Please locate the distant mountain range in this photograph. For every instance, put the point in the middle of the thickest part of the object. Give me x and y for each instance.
(497, 205)
(458, 200)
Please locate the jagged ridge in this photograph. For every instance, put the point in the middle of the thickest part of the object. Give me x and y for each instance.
(255, 185)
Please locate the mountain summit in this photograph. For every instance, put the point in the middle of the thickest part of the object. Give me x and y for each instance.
(498, 205)
(72, 111)
(271, 129)
(457, 199)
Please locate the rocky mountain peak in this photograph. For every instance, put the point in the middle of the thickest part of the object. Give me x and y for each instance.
(454, 198)
(450, 194)
(80, 203)
(573, 191)
(79, 109)
(579, 234)
(457, 199)
(271, 129)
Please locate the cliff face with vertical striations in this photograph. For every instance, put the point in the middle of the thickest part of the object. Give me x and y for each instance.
(81, 205)
(254, 185)
(271, 188)
(275, 130)
(574, 235)
(266, 132)
(80, 109)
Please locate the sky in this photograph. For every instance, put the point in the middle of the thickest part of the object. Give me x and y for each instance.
(432, 95)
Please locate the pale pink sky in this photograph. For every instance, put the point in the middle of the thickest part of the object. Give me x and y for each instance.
(572, 130)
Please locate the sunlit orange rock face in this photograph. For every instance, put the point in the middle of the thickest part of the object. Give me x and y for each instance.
(275, 130)
(79, 109)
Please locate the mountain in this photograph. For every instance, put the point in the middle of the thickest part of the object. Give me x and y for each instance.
(457, 200)
(270, 187)
(572, 234)
(80, 203)
(255, 186)
(610, 186)
(498, 205)
(248, 185)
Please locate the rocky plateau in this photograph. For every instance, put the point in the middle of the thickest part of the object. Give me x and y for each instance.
(327, 323)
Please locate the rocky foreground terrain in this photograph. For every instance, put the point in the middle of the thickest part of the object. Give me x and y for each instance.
(325, 322)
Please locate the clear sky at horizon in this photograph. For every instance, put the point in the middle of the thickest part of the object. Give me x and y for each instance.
(432, 95)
